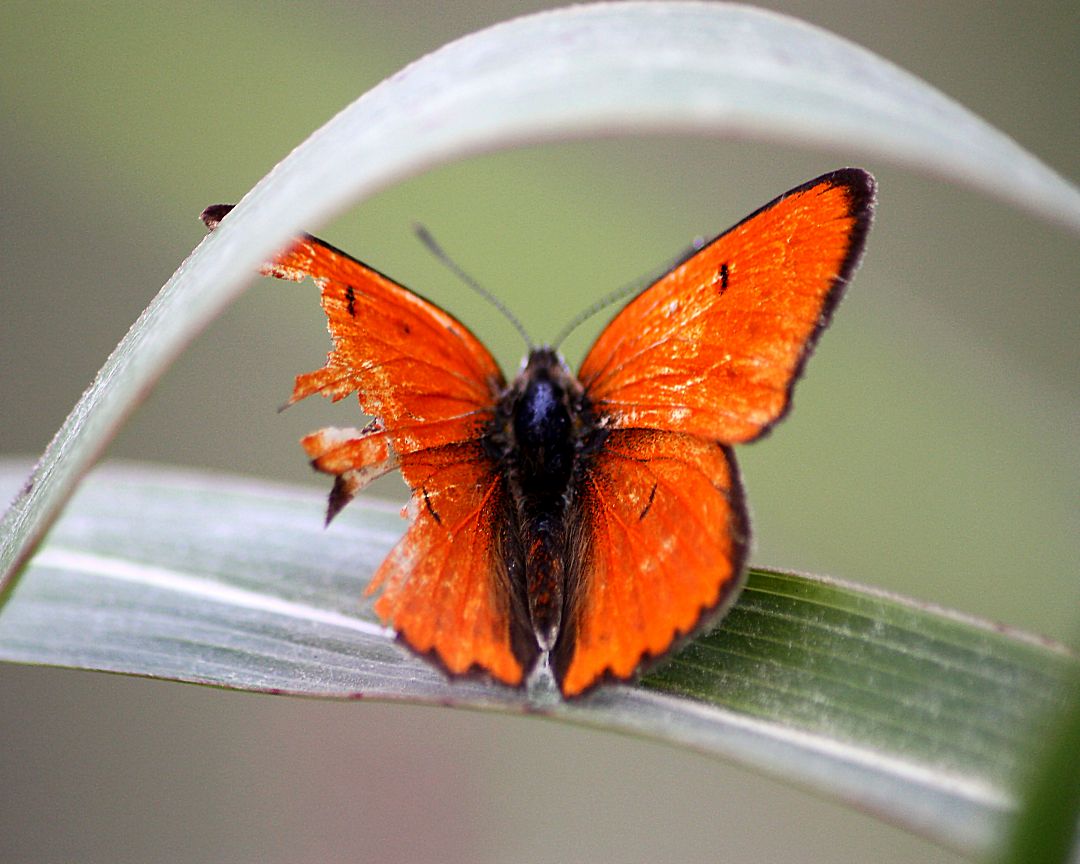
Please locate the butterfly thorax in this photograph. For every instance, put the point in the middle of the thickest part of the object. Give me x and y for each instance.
(541, 423)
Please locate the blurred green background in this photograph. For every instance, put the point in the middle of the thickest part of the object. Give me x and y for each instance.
(932, 452)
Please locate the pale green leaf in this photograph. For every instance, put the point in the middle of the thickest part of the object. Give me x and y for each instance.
(921, 716)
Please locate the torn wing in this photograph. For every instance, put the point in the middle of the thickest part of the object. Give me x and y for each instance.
(420, 372)
(432, 387)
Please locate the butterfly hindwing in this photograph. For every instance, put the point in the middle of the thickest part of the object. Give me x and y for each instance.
(662, 540)
(714, 347)
(445, 587)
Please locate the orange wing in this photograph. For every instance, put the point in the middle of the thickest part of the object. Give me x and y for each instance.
(445, 586)
(707, 354)
(419, 370)
(714, 347)
(663, 553)
(432, 387)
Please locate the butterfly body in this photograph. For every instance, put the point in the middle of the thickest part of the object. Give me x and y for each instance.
(542, 437)
(596, 518)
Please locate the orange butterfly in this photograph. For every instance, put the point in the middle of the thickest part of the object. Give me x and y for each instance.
(599, 518)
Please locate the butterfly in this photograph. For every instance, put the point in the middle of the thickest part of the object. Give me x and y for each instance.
(597, 520)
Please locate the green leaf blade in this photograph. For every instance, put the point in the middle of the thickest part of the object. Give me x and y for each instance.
(902, 685)
(919, 715)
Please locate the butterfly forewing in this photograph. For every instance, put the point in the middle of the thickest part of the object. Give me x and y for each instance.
(714, 347)
(415, 367)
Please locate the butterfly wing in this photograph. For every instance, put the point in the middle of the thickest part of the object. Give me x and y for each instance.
(714, 347)
(662, 545)
(432, 387)
(428, 380)
(445, 586)
(705, 357)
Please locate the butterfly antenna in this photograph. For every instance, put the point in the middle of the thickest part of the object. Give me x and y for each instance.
(435, 249)
(634, 287)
